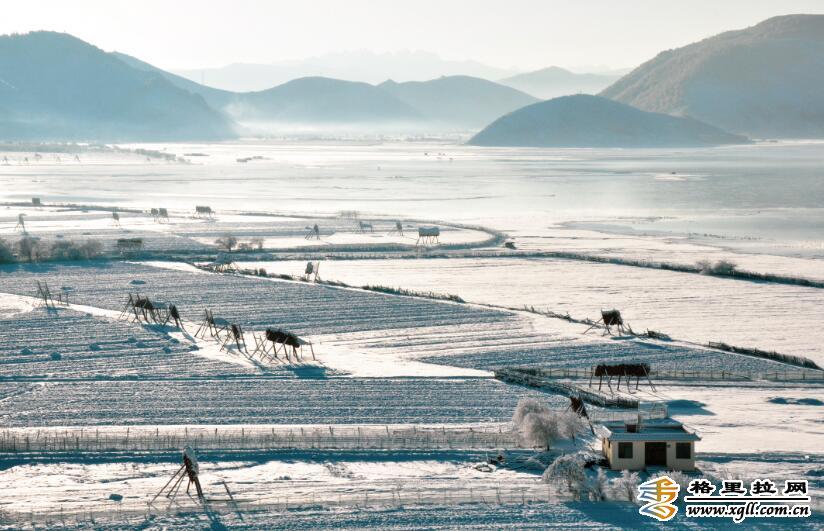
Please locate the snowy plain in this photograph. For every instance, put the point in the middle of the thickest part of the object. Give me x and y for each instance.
(385, 359)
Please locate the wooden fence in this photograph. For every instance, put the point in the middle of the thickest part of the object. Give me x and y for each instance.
(337, 437)
(793, 375)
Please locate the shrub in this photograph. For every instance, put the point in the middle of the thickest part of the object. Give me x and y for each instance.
(598, 487)
(526, 406)
(29, 249)
(70, 250)
(720, 267)
(626, 486)
(6, 255)
(569, 470)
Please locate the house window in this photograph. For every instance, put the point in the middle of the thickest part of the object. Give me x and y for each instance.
(683, 451)
(625, 450)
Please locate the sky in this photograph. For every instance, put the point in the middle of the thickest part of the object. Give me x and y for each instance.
(514, 34)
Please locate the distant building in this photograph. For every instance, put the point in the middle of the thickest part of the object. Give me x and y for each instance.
(662, 443)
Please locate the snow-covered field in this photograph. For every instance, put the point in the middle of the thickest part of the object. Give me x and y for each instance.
(384, 359)
(686, 306)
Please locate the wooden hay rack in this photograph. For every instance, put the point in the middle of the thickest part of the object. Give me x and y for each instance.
(214, 326)
(49, 300)
(609, 319)
(189, 469)
(313, 233)
(428, 236)
(312, 271)
(224, 264)
(397, 230)
(621, 370)
(144, 310)
(272, 340)
(204, 211)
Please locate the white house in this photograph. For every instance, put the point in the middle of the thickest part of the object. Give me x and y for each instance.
(662, 443)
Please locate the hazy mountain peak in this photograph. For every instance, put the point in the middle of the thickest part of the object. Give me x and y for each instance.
(593, 121)
(554, 81)
(763, 80)
(65, 88)
(357, 65)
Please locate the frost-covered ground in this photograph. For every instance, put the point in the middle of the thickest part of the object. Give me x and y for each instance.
(385, 359)
(683, 305)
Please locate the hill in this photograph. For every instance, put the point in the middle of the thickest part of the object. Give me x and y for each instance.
(320, 100)
(216, 98)
(763, 81)
(592, 121)
(355, 65)
(56, 87)
(458, 101)
(553, 81)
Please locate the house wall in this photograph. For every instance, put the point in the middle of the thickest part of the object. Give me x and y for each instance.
(610, 450)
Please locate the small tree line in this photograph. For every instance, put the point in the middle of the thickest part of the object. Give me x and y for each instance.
(31, 249)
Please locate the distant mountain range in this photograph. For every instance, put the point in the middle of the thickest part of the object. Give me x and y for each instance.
(458, 101)
(451, 102)
(592, 121)
(552, 82)
(56, 87)
(363, 65)
(764, 81)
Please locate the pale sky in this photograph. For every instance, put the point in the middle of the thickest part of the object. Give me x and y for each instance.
(522, 34)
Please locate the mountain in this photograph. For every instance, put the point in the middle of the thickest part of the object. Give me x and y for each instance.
(552, 82)
(56, 87)
(461, 101)
(593, 121)
(362, 65)
(319, 101)
(216, 98)
(764, 81)
(452, 102)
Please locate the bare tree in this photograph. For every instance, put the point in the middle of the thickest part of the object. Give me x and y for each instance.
(568, 469)
(526, 406)
(227, 242)
(540, 429)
